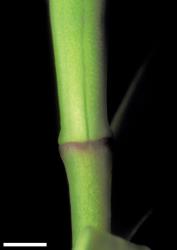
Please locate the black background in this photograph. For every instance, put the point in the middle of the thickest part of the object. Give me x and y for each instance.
(34, 193)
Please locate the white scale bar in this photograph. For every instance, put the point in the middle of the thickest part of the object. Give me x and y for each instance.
(19, 244)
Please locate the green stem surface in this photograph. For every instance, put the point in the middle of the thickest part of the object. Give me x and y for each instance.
(78, 40)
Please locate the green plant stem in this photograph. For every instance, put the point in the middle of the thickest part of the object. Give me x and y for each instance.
(78, 42)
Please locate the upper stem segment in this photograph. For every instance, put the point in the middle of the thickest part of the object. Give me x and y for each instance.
(78, 39)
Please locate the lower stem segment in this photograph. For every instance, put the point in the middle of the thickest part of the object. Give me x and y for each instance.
(88, 168)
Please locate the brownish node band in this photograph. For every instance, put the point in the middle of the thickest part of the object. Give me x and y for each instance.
(84, 146)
